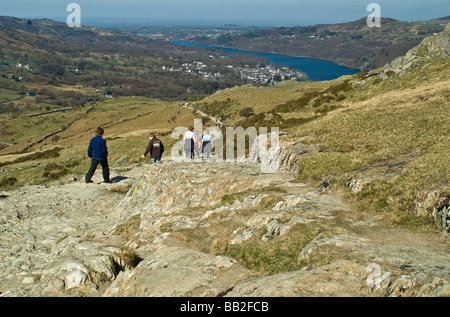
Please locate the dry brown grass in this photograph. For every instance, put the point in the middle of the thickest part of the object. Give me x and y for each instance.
(264, 99)
(372, 128)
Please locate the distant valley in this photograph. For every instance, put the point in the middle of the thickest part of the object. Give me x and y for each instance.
(352, 44)
(38, 54)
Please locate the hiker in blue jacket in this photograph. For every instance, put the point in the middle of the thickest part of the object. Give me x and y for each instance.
(98, 153)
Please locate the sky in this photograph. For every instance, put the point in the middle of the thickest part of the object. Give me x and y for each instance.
(219, 12)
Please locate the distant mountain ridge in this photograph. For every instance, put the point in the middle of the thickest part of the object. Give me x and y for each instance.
(87, 35)
(352, 44)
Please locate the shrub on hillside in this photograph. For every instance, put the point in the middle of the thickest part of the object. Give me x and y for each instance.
(247, 112)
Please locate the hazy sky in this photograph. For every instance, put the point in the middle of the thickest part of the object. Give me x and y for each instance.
(244, 12)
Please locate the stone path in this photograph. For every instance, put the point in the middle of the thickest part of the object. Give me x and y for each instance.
(63, 240)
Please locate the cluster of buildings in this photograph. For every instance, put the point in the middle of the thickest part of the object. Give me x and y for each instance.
(198, 69)
(262, 74)
(13, 77)
(269, 74)
(26, 66)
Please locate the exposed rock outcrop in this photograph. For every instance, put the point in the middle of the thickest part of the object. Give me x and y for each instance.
(436, 205)
(53, 239)
(433, 47)
(66, 239)
(178, 272)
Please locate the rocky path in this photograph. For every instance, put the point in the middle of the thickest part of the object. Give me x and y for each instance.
(169, 229)
(35, 220)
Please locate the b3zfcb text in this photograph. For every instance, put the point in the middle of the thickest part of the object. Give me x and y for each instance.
(247, 306)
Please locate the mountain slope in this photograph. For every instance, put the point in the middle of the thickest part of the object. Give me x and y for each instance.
(381, 136)
(388, 140)
(340, 217)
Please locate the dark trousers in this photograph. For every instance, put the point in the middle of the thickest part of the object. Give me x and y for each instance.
(189, 148)
(94, 164)
(207, 148)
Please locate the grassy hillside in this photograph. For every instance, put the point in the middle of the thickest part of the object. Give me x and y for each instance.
(127, 123)
(398, 141)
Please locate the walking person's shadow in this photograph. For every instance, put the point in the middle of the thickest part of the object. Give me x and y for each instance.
(118, 179)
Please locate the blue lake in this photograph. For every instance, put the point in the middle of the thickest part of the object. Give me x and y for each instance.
(315, 69)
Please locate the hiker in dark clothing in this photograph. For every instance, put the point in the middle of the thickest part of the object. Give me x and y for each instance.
(98, 153)
(155, 147)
